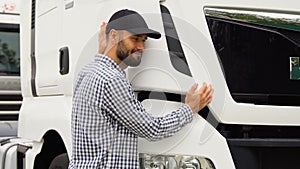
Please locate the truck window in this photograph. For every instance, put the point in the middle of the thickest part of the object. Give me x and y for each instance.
(176, 53)
(257, 61)
(9, 50)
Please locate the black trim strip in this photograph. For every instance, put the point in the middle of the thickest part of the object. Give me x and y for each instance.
(11, 97)
(10, 107)
(264, 142)
(32, 52)
(9, 27)
(7, 13)
(269, 99)
(143, 95)
(9, 117)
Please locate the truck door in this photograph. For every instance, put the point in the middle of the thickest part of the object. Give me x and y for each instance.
(47, 46)
(258, 46)
(168, 69)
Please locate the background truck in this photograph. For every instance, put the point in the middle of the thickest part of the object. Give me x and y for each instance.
(10, 87)
(247, 50)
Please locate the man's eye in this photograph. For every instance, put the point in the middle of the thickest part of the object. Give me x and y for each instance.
(135, 38)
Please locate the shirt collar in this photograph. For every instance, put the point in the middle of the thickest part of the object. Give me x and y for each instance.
(109, 62)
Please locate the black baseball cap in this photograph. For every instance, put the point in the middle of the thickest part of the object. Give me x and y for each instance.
(132, 22)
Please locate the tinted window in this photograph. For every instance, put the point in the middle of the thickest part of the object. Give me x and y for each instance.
(176, 53)
(9, 49)
(257, 61)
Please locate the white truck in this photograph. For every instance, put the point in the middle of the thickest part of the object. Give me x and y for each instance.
(248, 50)
(10, 87)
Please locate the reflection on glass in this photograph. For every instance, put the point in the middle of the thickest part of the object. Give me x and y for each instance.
(294, 68)
(279, 20)
(9, 51)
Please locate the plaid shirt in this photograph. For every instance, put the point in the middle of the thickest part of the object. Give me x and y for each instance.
(107, 119)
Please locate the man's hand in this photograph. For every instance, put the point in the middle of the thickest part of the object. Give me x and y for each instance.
(102, 38)
(197, 100)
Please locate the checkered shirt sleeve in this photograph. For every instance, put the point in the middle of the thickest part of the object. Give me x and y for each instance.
(129, 112)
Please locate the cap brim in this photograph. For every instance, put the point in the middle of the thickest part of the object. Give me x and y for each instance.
(144, 31)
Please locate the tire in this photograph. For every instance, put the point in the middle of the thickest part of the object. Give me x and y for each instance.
(60, 162)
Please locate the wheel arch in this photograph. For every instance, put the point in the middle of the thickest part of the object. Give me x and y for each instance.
(53, 146)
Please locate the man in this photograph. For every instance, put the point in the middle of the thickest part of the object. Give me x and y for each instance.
(106, 116)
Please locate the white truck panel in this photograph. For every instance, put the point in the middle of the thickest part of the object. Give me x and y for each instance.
(197, 138)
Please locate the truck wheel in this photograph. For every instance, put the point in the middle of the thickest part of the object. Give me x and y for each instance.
(60, 162)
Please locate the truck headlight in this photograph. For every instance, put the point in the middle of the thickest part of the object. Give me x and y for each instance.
(149, 161)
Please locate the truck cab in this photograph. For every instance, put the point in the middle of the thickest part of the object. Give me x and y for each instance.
(10, 85)
(248, 51)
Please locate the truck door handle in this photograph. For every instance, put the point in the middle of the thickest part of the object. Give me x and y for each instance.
(64, 60)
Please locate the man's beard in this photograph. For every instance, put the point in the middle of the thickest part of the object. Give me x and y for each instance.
(126, 57)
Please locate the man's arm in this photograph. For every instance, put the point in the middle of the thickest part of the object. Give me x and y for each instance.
(127, 110)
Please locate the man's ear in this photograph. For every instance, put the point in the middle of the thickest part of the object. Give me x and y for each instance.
(113, 35)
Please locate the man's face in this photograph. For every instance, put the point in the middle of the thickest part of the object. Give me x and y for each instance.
(130, 48)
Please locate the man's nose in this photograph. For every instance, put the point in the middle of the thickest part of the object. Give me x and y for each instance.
(141, 45)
